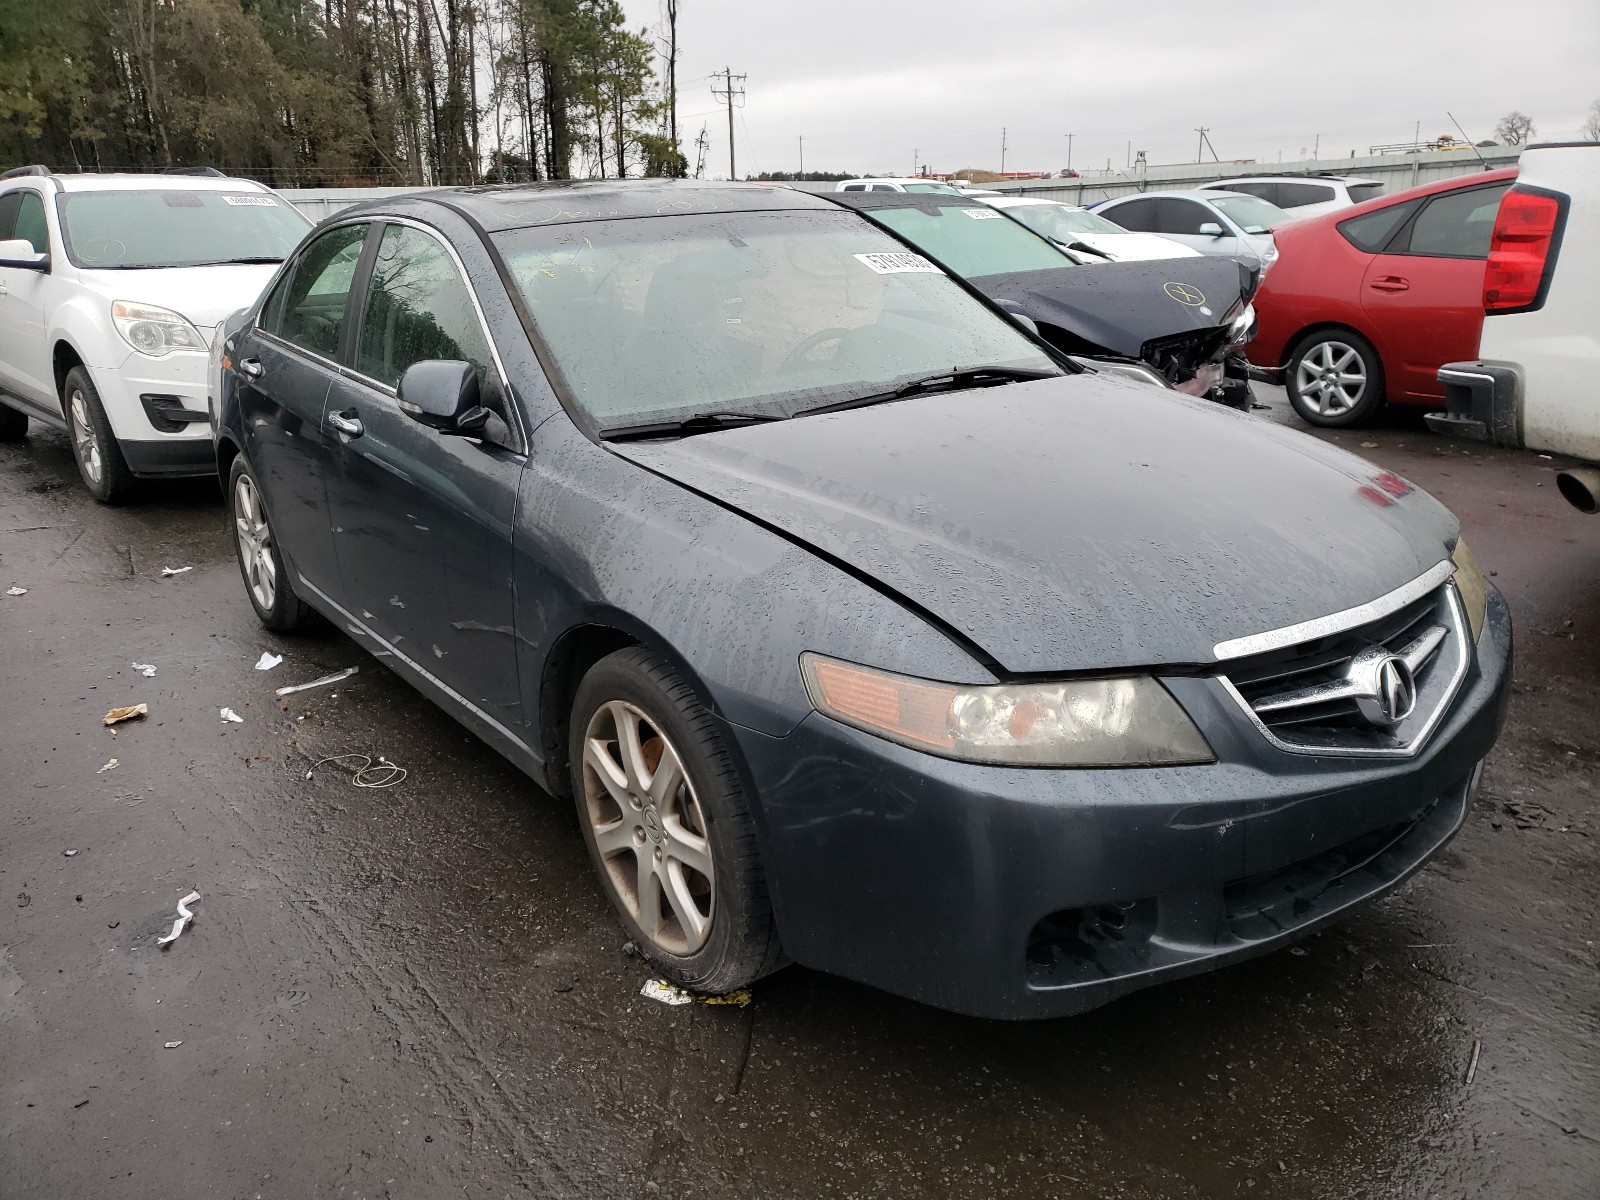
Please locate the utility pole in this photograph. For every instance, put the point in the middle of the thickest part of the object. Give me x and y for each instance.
(1316, 147)
(730, 91)
(1002, 150)
(672, 80)
(802, 156)
(916, 161)
(1200, 145)
(1069, 151)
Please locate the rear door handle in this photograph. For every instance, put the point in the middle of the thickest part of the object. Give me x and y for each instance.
(1390, 283)
(251, 368)
(347, 423)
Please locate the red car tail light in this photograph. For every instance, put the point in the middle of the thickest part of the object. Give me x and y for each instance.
(1522, 250)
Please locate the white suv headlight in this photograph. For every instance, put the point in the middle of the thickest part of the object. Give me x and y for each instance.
(155, 331)
(1127, 722)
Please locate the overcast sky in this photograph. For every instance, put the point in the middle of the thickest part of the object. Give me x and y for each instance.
(867, 83)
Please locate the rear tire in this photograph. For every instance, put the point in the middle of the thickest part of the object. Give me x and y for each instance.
(13, 424)
(1335, 379)
(95, 447)
(668, 825)
(266, 581)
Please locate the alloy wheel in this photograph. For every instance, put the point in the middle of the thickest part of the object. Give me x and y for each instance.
(84, 438)
(255, 543)
(1331, 378)
(649, 828)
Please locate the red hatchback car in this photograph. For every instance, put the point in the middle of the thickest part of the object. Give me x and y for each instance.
(1365, 304)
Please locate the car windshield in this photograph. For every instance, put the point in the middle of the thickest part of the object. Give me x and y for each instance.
(172, 227)
(666, 318)
(1250, 213)
(1059, 221)
(972, 242)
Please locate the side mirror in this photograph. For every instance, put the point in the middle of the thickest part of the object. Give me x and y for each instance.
(1212, 228)
(443, 394)
(19, 252)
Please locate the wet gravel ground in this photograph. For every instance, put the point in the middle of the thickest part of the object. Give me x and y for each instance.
(420, 992)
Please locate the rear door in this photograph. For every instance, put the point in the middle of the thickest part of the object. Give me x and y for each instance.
(286, 363)
(1425, 290)
(422, 519)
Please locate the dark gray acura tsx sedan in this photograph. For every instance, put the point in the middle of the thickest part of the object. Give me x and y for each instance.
(861, 629)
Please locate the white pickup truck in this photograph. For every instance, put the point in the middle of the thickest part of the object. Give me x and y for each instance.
(1536, 381)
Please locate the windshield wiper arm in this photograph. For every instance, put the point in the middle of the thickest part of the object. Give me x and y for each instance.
(239, 262)
(943, 381)
(687, 427)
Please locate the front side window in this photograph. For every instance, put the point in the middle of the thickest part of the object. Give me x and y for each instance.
(30, 223)
(1250, 214)
(971, 242)
(662, 318)
(1183, 216)
(1457, 224)
(169, 227)
(308, 307)
(418, 307)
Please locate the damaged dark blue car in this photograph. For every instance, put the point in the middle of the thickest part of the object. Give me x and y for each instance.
(861, 627)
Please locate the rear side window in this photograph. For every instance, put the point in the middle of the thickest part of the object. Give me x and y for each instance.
(1360, 193)
(1371, 231)
(855, 187)
(308, 307)
(1457, 224)
(1138, 215)
(418, 307)
(1293, 195)
(1262, 191)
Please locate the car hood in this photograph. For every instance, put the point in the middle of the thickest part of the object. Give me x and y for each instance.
(1076, 524)
(1121, 306)
(1137, 247)
(202, 294)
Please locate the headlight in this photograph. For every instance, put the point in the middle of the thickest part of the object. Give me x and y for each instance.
(1075, 723)
(1470, 583)
(1243, 327)
(154, 331)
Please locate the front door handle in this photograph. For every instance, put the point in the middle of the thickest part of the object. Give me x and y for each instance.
(1390, 283)
(251, 368)
(347, 423)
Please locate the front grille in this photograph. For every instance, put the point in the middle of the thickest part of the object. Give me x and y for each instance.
(1305, 696)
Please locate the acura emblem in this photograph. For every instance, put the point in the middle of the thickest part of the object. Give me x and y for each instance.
(1385, 687)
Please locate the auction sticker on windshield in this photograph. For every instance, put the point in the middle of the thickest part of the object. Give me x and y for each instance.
(897, 264)
(262, 201)
(983, 214)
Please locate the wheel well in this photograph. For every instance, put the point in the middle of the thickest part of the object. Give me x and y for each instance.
(63, 358)
(226, 453)
(1293, 344)
(570, 660)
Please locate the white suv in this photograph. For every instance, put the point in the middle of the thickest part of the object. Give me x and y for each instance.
(110, 286)
(1303, 195)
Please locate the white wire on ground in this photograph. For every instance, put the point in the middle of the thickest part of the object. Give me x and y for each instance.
(369, 774)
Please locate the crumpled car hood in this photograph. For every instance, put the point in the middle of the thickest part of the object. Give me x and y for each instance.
(1076, 524)
(1121, 306)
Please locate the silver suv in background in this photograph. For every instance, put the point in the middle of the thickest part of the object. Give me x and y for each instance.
(1303, 195)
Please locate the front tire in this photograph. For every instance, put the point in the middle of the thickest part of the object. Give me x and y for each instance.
(1335, 379)
(668, 825)
(266, 582)
(95, 447)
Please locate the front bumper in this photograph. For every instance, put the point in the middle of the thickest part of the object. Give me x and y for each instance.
(1014, 893)
(157, 409)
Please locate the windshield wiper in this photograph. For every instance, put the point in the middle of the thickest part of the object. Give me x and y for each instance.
(943, 381)
(1085, 248)
(239, 262)
(688, 427)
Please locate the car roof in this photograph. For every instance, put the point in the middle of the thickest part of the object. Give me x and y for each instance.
(152, 183)
(894, 179)
(997, 198)
(901, 199)
(499, 207)
(1287, 177)
(1193, 194)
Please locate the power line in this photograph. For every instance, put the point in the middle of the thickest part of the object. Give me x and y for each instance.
(732, 90)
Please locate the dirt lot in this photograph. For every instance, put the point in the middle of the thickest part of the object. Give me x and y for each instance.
(420, 992)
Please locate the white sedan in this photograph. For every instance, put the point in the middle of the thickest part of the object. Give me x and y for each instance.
(1080, 231)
